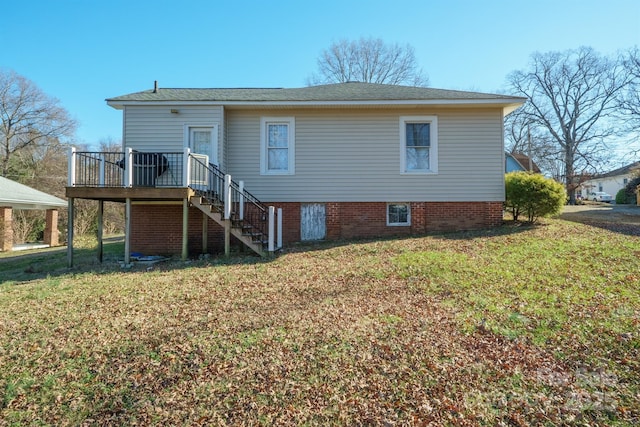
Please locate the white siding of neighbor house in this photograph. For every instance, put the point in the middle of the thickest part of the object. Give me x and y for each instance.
(610, 185)
(155, 128)
(354, 155)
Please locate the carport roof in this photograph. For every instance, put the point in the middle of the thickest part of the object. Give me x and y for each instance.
(19, 196)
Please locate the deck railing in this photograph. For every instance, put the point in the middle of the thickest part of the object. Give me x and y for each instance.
(243, 209)
(179, 170)
(126, 169)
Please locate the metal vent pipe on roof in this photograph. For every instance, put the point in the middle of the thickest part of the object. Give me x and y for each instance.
(155, 86)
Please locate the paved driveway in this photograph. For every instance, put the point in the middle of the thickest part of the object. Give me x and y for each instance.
(603, 210)
(620, 218)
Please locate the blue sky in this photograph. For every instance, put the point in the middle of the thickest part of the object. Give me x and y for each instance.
(83, 51)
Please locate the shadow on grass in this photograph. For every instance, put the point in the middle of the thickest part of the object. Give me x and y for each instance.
(25, 266)
(508, 228)
(623, 219)
(21, 267)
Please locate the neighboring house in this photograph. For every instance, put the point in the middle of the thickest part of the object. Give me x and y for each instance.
(341, 161)
(515, 162)
(16, 196)
(610, 182)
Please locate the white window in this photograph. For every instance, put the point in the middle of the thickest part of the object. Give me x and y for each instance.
(398, 214)
(418, 144)
(277, 145)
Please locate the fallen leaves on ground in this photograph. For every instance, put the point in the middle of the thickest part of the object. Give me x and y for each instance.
(327, 335)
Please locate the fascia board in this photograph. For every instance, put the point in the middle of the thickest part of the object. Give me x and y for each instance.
(507, 103)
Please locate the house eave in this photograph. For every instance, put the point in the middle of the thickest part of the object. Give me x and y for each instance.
(19, 204)
(508, 104)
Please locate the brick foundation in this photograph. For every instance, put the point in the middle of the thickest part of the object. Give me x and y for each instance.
(157, 229)
(369, 220)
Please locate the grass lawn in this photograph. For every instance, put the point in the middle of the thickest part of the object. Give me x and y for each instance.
(512, 326)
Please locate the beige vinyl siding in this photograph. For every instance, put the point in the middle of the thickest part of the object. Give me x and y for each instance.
(354, 155)
(155, 128)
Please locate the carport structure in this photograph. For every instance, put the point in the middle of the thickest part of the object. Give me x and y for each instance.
(16, 196)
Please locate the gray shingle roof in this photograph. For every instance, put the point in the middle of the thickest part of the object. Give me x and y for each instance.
(19, 196)
(621, 171)
(340, 92)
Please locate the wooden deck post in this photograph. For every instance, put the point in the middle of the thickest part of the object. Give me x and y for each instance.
(241, 208)
(128, 168)
(227, 196)
(272, 214)
(100, 229)
(70, 224)
(279, 240)
(205, 233)
(227, 214)
(127, 231)
(101, 169)
(186, 167)
(72, 167)
(185, 229)
(227, 237)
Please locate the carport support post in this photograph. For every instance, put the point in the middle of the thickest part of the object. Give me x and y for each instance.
(100, 228)
(70, 233)
(6, 229)
(51, 237)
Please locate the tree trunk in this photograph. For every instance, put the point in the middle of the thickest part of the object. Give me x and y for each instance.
(569, 174)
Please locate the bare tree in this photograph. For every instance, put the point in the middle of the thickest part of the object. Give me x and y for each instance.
(572, 97)
(113, 219)
(629, 99)
(28, 117)
(534, 142)
(368, 60)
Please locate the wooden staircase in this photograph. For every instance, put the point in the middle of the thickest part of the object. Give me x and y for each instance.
(228, 203)
(249, 235)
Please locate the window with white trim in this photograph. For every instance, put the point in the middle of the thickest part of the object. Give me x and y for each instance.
(277, 145)
(398, 214)
(418, 144)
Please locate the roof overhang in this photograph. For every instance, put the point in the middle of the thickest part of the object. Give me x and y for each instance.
(507, 104)
(30, 205)
(21, 197)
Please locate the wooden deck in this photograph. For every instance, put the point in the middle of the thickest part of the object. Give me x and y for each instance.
(121, 194)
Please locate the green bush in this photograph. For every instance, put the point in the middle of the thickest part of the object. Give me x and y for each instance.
(621, 197)
(630, 191)
(533, 195)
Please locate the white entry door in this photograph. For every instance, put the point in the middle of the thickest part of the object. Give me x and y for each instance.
(203, 143)
(204, 140)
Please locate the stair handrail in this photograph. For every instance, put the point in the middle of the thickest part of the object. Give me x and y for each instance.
(255, 214)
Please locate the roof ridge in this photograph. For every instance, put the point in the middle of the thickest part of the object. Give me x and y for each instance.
(353, 92)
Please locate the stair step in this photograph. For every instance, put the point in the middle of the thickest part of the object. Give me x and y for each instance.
(211, 204)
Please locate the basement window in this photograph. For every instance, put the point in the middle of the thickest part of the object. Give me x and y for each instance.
(398, 214)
